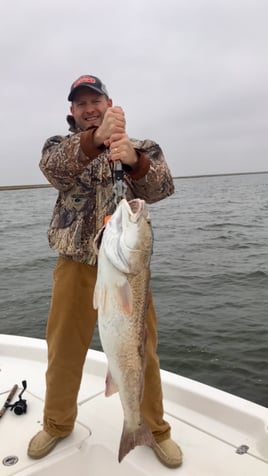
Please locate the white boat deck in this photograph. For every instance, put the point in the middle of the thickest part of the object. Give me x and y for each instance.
(210, 425)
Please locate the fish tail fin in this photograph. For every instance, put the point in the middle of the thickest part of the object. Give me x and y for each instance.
(130, 439)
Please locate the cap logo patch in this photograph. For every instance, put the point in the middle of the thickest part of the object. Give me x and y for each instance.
(84, 79)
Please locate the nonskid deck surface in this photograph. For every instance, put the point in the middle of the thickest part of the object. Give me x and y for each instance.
(210, 425)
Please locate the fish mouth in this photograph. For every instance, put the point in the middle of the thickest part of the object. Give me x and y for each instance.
(137, 208)
(135, 205)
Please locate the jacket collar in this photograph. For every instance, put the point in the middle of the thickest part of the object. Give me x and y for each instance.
(72, 125)
(71, 122)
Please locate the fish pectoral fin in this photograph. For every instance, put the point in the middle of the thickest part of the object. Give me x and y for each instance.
(111, 387)
(124, 297)
(99, 298)
(96, 297)
(122, 293)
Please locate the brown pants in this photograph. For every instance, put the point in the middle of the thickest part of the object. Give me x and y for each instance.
(70, 327)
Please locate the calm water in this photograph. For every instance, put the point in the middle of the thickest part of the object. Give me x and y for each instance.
(209, 277)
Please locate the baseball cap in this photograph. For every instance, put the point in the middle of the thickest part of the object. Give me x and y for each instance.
(88, 81)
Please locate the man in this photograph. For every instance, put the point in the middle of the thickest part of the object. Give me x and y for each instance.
(80, 167)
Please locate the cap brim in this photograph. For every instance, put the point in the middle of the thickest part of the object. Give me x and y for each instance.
(84, 85)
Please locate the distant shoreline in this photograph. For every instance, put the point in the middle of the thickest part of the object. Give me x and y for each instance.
(47, 185)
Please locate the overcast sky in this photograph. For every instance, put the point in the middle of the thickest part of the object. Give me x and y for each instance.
(190, 74)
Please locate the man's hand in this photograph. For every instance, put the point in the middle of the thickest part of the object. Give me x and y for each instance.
(122, 149)
(113, 122)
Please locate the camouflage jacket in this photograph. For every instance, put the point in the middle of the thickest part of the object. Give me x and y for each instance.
(82, 174)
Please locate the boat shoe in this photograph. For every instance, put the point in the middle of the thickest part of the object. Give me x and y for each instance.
(169, 453)
(41, 444)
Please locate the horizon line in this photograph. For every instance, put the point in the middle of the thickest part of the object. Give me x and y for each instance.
(48, 185)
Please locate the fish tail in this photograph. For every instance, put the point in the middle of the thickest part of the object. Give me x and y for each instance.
(130, 439)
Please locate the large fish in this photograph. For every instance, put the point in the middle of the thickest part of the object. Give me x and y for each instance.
(121, 297)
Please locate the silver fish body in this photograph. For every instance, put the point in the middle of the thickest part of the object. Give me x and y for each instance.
(121, 297)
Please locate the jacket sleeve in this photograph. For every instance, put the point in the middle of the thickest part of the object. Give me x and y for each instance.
(152, 180)
(64, 158)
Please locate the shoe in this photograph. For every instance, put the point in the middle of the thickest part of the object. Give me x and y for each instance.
(169, 453)
(41, 444)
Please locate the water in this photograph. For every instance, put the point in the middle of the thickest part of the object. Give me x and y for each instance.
(209, 277)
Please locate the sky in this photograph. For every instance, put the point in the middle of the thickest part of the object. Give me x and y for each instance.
(190, 74)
